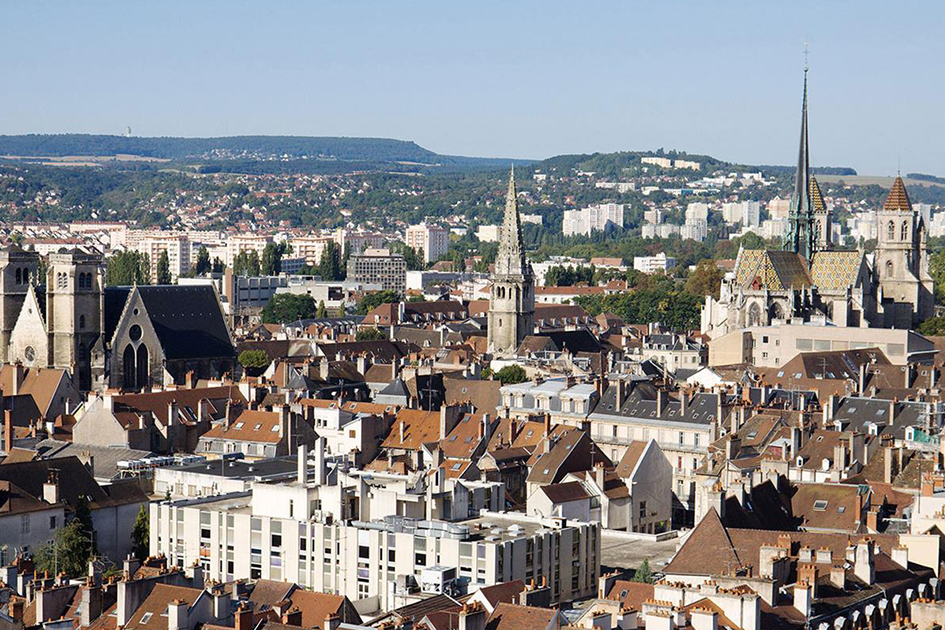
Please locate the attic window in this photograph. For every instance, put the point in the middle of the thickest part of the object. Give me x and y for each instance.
(820, 505)
(781, 373)
(852, 410)
(880, 412)
(456, 466)
(465, 389)
(820, 438)
(752, 435)
(547, 470)
(146, 617)
(452, 438)
(275, 428)
(257, 427)
(798, 375)
(841, 509)
(238, 426)
(530, 433)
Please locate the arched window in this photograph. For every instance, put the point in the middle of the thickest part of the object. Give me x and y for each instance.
(904, 235)
(754, 315)
(81, 322)
(19, 276)
(26, 276)
(889, 268)
(819, 226)
(143, 375)
(891, 231)
(128, 367)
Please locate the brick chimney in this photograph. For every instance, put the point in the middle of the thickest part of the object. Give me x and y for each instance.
(51, 487)
(7, 430)
(177, 615)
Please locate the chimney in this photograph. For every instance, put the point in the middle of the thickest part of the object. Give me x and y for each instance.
(683, 402)
(302, 471)
(704, 619)
(662, 400)
(19, 375)
(177, 615)
(203, 410)
(244, 618)
(320, 461)
(91, 607)
(803, 598)
(7, 431)
(221, 604)
(51, 487)
(228, 415)
(444, 425)
(195, 574)
(796, 441)
(861, 385)
(599, 475)
(362, 363)
(472, 617)
(292, 617)
(131, 564)
(172, 416)
(332, 621)
(15, 607)
(619, 393)
(838, 577)
(900, 555)
(892, 411)
(863, 567)
(547, 424)
(189, 379)
(733, 446)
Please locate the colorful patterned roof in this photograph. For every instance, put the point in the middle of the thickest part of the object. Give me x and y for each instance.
(816, 197)
(835, 270)
(898, 199)
(774, 270)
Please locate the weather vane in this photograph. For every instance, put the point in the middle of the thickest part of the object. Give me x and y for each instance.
(806, 52)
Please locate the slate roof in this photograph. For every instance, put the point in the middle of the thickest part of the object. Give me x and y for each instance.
(188, 321)
(484, 395)
(105, 460)
(114, 302)
(856, 413)
(74, 480)
(565, 492)
(702, 407)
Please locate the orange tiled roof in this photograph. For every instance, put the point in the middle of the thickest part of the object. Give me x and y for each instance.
(898, 199)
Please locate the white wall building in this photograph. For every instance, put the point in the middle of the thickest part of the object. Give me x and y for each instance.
(430, 241)
(600, 217)
(488, 233)
(654, 264)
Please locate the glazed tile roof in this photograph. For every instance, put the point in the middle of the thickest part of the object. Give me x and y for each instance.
(835, 270)
(898, 199)
(816, 197)
(771, 269)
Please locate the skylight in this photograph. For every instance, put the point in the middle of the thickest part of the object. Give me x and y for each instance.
(820, 505)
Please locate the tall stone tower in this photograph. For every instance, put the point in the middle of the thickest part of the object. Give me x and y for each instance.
(17, 272)
(901, 263)
(512, 300)
(823, 219)
(74, 293)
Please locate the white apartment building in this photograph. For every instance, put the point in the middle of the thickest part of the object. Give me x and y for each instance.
(379, 266)
(599, 218)
(864, 225)
(654, 264)
(488, 233)
(937, 224)
(694, 229)
(779, 208)
(153, 243)
(310, 248)
(747, 213)
(293, 532)
(534, 219)
(697, 210)
(654, 216)
(430, 241)
(621, 187)
(237, 243)
(773, 228)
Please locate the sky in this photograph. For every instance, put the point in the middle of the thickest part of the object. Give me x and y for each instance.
(493, 79)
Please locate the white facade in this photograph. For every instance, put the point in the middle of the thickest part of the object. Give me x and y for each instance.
(154, 244)
(488, 233)
(598, 218)
(654, 264)
(430, 241)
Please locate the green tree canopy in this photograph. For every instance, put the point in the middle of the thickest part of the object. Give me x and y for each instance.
(512, 374)
(372, 300)
(329, 265)
(271, 262)
(246, 263)
(127, 268)
(69, 551)
(164, 269)
(705, 279)
(283, 308)
(643, 573)
(140, 539)
(933, 326)
(202, 264)
(322, 311)
(253, 359)
(369, 334)
(561, 276)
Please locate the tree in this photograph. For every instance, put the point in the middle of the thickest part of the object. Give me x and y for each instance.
(643, 573)
(369, 334)
(933, 326)
(705, 279)
(127, 268)
(322, 311)
(288, 307)
(69, 551)
(246, 263)
(217, 266)
(561, 276)
(328, 266)
(202, 265)
(253, 359)
(140, 539)
(272, 259)
(412, 259)
(512, 374)
(164, 269)
(372, 300)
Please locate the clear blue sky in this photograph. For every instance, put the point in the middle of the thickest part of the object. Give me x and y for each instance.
(503, 79)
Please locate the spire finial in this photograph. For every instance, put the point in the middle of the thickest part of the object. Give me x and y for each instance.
(806, 53)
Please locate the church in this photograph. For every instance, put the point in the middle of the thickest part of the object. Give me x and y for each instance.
(512, 296)
(132, 338)
(812, 281)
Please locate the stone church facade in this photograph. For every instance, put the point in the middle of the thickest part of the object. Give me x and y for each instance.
(75, 323)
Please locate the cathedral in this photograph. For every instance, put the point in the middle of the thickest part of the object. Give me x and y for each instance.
(132, 338)
(512, 298)
(811, 280)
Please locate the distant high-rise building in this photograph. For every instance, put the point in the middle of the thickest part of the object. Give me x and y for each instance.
(430, 241)
(598, 218)
(379, 266)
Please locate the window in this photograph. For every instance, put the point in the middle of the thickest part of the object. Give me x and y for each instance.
(52, 522)
(904, 234)
(820, 505)
(642, 510)
(146, 617)
(364, 551)
(24, 524)
(891, 231)
(81, 322)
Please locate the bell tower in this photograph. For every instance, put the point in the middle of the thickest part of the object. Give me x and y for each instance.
(512, 298)
(17, 273)
(74, 282)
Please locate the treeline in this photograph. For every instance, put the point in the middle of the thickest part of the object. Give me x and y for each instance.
(57, 145)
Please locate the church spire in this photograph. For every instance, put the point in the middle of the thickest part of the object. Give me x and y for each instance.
(510, 259)
(800, 237)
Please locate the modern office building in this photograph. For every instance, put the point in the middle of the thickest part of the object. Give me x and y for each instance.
(381, 267)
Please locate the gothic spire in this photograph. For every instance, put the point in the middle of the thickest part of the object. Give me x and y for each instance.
(510, 259)
(800, 233)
